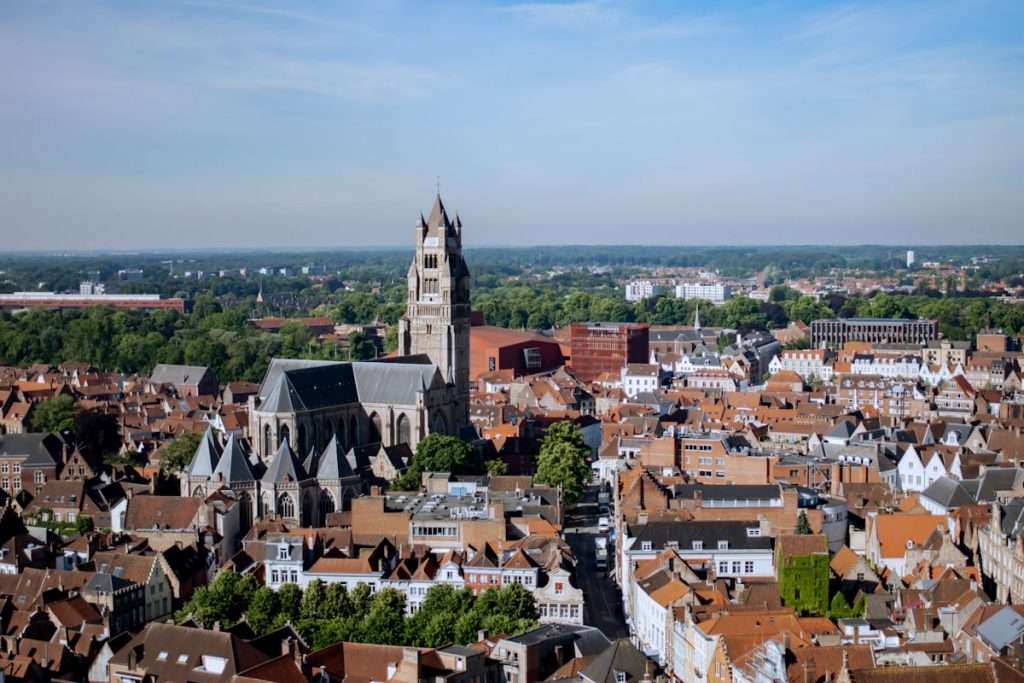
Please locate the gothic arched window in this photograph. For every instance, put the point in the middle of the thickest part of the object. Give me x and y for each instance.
(404, 430)
(374, 428)
(326, 502)
(285, 506)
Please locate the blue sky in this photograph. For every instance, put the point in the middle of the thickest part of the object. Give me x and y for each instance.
(258, 123)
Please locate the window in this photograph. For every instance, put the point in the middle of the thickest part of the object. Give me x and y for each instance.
(753, 532)
(645, 545)
(698, 545)
(736, 567)
(723, 567)
(182, 659)
(4, 468)
(492, 364)
(162, 657)
(620, 677)
(282, 552)
(748, 567)
(559, 587)
(17, 469)
(723, 545)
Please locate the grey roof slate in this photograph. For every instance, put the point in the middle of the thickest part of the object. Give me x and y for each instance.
(234, 465)
(39, 449)
(333, 463)
(206, 457)
(284, 466)
(394, 382)
(292, 385)
(621, 657)
(165, 373)
(996, 479)
(949, 493)
(1002, 628)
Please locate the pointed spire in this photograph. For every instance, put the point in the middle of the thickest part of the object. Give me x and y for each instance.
(206, 457)
(311, 462)
(234, 465)
(259, 294)
(284, 467)
(696, 317)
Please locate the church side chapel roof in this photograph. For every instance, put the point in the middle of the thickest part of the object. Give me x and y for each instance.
(234, 464)
(333, 463)
(206, 457)
(285, 466)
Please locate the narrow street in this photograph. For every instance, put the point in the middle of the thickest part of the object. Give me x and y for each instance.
(603, 604)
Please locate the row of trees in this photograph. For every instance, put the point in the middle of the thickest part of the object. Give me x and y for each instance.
(325, 614)
(563, 461)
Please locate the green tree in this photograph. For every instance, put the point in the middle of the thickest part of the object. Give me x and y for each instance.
(385, 621)
(289, 599)
(84, 524)
(564, 461)
(436, 453)
(803, 527)
(223, 601)
(54, 415)
(497, 467)
(263, 610)
(178, 454)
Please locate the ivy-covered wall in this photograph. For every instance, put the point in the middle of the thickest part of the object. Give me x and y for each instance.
(803, 583)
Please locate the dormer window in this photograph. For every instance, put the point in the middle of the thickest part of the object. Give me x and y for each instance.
(753, 532)
(698, 545)
(645, 545)
(620, 677)
(283, 552)
(723, 545)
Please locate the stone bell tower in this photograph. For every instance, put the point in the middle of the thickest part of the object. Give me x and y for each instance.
(436, 320)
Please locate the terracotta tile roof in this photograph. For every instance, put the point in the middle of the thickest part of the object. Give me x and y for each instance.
(894, 531)
(843, 561)
(163, 512)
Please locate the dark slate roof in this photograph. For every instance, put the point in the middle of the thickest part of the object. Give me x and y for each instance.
(997, 479)
(206, 457)
(1011, 519)
(234, 464)
(588, 639)
(710, 532)
(949, 493)
(284, 466)
(296, 385)
(755, 492)
(333, 464)
(621, 657)
(39, 449)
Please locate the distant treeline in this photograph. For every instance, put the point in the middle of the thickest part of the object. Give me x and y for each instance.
(218, 335)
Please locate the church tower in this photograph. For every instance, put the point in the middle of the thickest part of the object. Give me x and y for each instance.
(436, 320)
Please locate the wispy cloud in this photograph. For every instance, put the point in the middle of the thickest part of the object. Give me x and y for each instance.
(574, 15)
(354, 81)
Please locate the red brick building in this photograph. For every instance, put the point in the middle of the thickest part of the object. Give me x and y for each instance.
(606, 347)
(494, 349)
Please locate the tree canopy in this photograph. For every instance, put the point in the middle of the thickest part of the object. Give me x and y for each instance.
(327, 613)
(563, 461)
